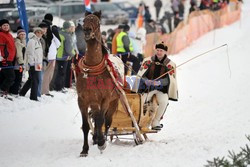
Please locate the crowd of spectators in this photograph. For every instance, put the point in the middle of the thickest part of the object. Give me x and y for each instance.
(175, 14)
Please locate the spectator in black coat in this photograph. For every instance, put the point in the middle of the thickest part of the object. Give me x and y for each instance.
(158, 5)
(48, 19)
(7, 56)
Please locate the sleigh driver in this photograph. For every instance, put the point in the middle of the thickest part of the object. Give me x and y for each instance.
(154, 82)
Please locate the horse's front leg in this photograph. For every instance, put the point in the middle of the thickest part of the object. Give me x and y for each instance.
(85, 129)
(98, 115)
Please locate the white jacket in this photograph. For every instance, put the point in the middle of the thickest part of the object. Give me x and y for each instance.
(34, 50)
(55, 44)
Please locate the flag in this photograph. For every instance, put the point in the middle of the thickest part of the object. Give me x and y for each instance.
(87, 5)
(22, 15)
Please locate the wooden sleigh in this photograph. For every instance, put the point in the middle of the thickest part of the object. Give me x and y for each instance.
(143, 113)
(123, 123)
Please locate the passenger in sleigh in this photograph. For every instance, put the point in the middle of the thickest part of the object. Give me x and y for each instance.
(154, 82)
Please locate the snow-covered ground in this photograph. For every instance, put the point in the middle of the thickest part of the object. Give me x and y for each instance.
(210, 118)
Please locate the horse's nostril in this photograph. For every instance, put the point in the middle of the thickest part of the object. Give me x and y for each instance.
(87, 30)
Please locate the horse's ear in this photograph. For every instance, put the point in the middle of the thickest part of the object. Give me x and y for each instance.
(87, 13)
(98, 14)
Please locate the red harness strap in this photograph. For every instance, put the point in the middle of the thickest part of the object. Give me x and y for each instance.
(110, 64)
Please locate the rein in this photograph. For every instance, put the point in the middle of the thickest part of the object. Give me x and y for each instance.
(93, 36)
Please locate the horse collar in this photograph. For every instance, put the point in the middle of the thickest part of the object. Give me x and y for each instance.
(87, 70)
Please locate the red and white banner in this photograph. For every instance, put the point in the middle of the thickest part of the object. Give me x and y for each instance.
(87, 5)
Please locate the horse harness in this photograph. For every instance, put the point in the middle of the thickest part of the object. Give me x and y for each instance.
(94, 23)
(92, 70)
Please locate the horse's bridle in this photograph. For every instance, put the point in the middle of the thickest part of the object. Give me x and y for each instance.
(93, 22)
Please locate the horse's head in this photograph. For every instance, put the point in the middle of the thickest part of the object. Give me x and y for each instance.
(91, 25)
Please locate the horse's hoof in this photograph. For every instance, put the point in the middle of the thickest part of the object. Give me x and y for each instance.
(102, 147)
(83, 154)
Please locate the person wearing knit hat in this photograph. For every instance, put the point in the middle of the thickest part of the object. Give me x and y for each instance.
(4, 25)
(51, 29)
(7, 56)
(38, 29)
(65, 52)
(125, 49)
(126, 28)
(34, 53)
(72, 27)
(21, 34)
(49, 17)
(51, 51)
(161, 46)
(20, 31)
(19, 62)
(4, 21)
(159, 78)
(68, 75)
(45, 47)
(66, 25)
(44, 27)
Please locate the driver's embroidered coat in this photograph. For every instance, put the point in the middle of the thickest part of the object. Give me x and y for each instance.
(173, 89)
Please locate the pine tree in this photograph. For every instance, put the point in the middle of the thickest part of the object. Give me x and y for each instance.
(242, 159)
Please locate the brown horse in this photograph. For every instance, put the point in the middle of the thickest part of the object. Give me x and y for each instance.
(97, 98)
